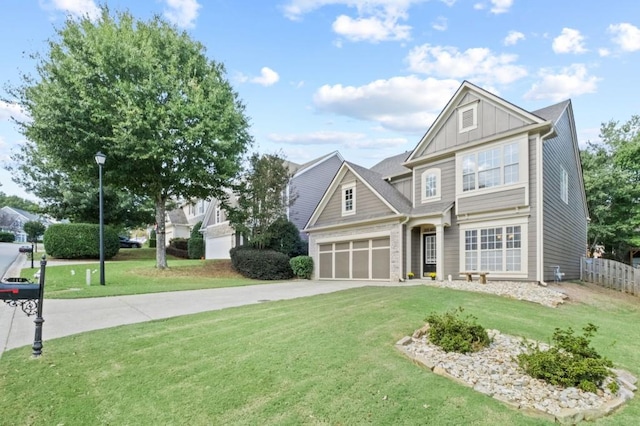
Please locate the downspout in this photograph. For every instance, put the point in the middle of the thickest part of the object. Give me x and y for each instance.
(540, 209)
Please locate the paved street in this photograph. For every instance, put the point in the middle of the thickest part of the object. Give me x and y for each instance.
(8, 253)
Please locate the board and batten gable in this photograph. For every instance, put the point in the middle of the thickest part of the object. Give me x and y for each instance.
(308, 188)
(565, 223)
(492, 119)
(367, 204)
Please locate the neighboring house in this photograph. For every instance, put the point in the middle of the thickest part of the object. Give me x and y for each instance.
(308, 183)
(13, 220)
(179, 222)
(490, 187)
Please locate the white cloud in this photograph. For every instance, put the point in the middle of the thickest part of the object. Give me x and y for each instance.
(569, 41)
(603, 52)
(513, 37)
(399, 103)
(570, 81)
(267, 77)
(479, 6)
(182, 13)
(8, 110)
(440, 24)
(500, 6)
(371, 29)
(345, 139)
(449, 2)
(626, 36)
(477, 64)
(77, 8)
(375, 20)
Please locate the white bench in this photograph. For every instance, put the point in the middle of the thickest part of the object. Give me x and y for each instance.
(481, 274)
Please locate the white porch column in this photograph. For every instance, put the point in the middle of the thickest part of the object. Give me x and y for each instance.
(439, 252)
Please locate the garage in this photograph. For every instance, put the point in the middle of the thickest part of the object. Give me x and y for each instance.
(218, 247)
(367, 259)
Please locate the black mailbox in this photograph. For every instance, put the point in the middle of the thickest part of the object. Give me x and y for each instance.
(19, 290)
(26, 249)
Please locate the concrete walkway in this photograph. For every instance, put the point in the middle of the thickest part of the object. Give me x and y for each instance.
(66, 317)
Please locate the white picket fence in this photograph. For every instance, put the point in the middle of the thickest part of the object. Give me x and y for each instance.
(611, 274)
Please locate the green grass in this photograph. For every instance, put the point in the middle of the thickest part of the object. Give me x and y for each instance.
(325, 359)
(133, 271)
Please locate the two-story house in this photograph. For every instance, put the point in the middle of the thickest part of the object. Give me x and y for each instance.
(306, 187)
(490, 187)
(180, 221)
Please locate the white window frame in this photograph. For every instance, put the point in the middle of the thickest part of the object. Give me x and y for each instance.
(218, 215)
(564, 186)
(461, 112)
(343, 200)
(426, 175)
(522, 171)
(505, 254)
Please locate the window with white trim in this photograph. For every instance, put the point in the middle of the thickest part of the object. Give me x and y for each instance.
(564, 186)
(492, 167)
(348, 199)
(499, 249)
(430, 185)
(218, 215)
(468, 118)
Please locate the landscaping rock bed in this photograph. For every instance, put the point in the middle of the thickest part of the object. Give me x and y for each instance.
(494, 371)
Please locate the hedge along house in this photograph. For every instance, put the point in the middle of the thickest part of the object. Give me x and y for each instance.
(490, 187)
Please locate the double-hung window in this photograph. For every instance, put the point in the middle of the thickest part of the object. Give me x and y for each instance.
(431, 185)
(348, 199)
(492, 167)
(494, 249)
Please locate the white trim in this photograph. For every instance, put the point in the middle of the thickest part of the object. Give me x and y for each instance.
(354, 237)
(474, 111)
(423, 186)
(524, 245)
(564, 185)
(344, 188)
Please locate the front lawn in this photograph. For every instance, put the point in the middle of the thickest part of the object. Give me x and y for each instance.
(133, 271)
(327, 359)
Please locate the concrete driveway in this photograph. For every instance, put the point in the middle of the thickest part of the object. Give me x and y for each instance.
(64, 317)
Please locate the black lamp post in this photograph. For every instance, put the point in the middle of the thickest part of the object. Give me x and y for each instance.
(100, 159)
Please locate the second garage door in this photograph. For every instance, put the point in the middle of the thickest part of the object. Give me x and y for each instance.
(367, 259)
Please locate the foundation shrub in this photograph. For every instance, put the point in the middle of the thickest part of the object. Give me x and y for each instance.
(454, 333)
(261, 264)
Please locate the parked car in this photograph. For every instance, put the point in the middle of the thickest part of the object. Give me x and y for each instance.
(25, 249)
(127, 243)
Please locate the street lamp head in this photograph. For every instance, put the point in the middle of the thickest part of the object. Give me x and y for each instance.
(100, 158)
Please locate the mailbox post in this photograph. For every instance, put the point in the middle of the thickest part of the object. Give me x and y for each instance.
(30, 297)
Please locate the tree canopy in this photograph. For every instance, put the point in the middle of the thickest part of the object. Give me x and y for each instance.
(18, 203)
(145, 95)
(262, 198)
(611, 171)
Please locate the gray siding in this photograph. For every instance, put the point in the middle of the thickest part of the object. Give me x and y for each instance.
(404, 186)
(565, 225)
(447, 180)
(493, 201)
(492, 120)
(368, 205)
(533, 203)
(309, 187)
(452, 250)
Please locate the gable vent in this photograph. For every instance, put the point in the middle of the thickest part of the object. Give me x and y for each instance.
(467, 118)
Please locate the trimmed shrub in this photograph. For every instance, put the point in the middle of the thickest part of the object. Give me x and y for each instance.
(179, 243)
(284, 236)
(261, 264)
(80, 241)
(571, 362)
(7, 237)
(302, 266)
(196, 242)
(455, 334)
(152, 239)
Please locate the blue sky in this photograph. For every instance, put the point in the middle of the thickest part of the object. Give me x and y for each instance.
(368, 77)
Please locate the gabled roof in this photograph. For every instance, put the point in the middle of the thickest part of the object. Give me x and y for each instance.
(552, 112)
(383, 189)
(177, 217)
(392, 166)
(452, 105)
(316, 162)
(27, 215)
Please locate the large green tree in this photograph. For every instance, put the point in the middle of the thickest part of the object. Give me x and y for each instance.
(145, 95)
(262, 197)
(17, 202)
(611, 170)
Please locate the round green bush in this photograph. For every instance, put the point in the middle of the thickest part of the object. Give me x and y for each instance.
(79, 241)
(302, 266)
(261, 264)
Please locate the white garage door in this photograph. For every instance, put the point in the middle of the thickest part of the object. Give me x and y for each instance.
(355, 260)
(218, 247)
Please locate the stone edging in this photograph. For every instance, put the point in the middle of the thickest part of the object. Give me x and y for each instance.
(626, 382)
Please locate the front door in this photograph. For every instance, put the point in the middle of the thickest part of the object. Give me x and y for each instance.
(429, 250)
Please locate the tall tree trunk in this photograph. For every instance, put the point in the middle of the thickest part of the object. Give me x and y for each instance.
(161, 236)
